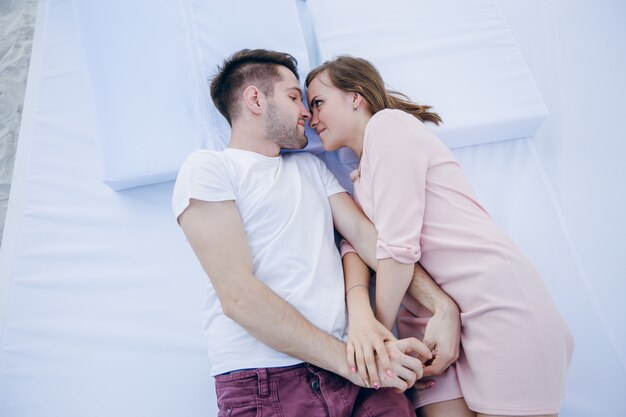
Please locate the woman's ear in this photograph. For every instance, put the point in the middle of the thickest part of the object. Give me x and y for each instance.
(252, 99)
(357, 100)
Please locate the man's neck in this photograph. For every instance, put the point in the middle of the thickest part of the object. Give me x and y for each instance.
(252, 140)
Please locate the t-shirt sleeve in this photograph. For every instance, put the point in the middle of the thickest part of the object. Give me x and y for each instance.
(203, 176)
(399, 164)
(330, 182)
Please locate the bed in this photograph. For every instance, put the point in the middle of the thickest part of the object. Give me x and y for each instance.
(100, 294)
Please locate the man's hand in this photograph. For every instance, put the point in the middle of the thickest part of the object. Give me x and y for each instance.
(443, 338)
(443, 331)
(406, 357)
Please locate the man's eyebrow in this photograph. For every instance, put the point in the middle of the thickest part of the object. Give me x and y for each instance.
(295, 89)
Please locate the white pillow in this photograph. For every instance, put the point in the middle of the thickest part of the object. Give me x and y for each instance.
(149, 64)
(457, 55)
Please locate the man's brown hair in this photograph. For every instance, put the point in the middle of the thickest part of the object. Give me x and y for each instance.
(257, 67)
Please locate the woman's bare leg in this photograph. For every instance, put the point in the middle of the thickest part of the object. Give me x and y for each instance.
(458, 408)
(451, 408)
(494, 415)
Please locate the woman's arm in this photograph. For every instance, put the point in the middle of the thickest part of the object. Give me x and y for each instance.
(366, 336)
(393, 280)
(396, 159)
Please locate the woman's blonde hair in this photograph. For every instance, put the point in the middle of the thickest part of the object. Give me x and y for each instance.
(357, 75)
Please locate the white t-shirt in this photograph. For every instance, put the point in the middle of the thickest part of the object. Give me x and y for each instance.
(283, 202)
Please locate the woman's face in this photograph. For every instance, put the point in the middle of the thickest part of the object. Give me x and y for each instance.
(332, 113)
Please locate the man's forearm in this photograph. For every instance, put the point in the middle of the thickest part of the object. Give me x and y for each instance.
(424, 289)
(216, 234)
(276, 323)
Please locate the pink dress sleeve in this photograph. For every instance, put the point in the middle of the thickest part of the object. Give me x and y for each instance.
(345, 247)
(398, 165)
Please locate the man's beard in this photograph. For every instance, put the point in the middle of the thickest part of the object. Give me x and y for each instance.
(281, 131)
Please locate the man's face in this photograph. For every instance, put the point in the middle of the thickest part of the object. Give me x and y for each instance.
(286, 114)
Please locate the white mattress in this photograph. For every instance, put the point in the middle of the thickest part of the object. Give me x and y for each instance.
(101, 295)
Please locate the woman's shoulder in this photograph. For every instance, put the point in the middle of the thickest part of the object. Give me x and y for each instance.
(395, 123)
(390, 120)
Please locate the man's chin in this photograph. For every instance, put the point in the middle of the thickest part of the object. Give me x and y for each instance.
(305, 142)
(301, 144)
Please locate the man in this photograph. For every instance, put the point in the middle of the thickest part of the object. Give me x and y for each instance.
(261, 225)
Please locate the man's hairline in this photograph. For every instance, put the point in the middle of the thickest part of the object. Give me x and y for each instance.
(280, 78)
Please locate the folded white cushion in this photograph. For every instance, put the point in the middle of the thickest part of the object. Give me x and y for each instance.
(150, 74)
(458, 56)
(149, 64)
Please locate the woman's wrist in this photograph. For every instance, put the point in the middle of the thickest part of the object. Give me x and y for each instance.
(352, 287)
(358, 301)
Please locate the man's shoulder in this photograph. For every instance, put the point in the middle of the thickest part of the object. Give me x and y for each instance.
(200, 155)
(203, 164)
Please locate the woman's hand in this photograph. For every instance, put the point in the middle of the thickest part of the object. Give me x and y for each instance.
(366, 343)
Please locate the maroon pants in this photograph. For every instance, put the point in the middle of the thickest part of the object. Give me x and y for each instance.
(303, 391)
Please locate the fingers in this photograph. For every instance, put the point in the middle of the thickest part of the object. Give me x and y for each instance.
(397, 383)
(361, 365)
(437, 366)
(370, 362)
(430, 344)
(408, 376)
(411, 344)
(422, 385)
(441, 361)
(407, 369)
(363, 358)
(383, 356)
(413, 365)
(350, 357)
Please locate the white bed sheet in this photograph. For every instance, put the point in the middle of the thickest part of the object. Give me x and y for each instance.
(101, 295)
(86, 330)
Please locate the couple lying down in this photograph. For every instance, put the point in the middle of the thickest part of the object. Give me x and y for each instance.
(478, 334)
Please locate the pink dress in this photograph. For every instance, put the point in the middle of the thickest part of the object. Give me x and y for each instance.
(516, 348)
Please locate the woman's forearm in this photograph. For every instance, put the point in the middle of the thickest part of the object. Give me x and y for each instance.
(392, 281)
(357, 281)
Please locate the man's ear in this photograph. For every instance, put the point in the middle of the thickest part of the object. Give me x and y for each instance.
(252, 99)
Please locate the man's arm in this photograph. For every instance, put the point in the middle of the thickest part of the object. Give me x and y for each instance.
(216, 234)
(443, 330)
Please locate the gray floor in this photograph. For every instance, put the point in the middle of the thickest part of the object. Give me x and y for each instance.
(17, 23)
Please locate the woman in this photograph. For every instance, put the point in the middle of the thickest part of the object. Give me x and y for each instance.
(515, 346)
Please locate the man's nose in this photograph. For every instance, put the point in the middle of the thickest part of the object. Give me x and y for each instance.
(306, 114)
